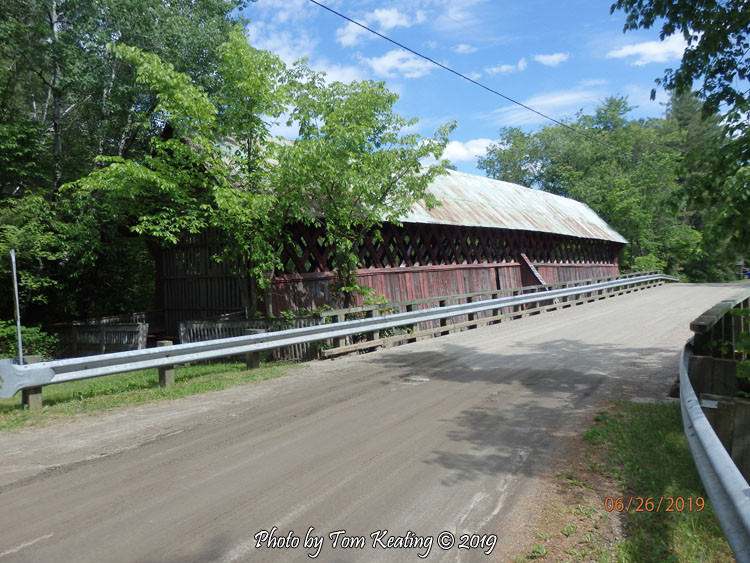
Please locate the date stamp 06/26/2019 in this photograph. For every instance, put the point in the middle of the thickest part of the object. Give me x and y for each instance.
(315, 543)
(654, 504)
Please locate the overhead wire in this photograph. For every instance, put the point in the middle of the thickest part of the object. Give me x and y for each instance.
(460, 75)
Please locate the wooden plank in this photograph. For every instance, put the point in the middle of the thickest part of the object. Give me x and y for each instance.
(719, 411)
(712, 375)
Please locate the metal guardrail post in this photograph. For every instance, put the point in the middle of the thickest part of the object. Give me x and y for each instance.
(166, 373)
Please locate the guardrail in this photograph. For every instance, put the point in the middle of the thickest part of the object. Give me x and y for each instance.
(494, 315)
(14, 377)
(728, 490)
(341, 314)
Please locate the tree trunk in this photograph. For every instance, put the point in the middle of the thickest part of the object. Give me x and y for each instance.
(105, 112)
(249, 290)
(128, 135)
(55, 91)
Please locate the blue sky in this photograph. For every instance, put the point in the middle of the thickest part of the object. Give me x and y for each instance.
(558, 57)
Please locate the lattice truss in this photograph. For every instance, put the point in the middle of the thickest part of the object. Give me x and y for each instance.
(415, 244)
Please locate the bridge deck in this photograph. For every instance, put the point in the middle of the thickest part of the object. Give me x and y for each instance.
(449, 434)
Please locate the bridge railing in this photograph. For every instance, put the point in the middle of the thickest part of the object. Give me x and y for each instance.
(33, 377)
(495, 315)
(716, 421)
(478, 295)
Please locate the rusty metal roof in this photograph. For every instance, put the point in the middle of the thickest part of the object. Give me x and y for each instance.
(476, 201)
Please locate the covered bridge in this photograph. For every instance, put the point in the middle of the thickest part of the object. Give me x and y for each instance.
(486, 235)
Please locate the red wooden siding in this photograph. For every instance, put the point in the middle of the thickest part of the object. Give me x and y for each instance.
(412, 262)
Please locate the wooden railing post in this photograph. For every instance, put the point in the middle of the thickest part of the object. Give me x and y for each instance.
(31, 397)
(252, 359)
(340, 341)
(472, 316)
(412, 328)
(517, 308)
(443, 322)
(375, 334)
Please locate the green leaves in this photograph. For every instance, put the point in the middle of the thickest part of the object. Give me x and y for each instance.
(181, 103)
(154, 118)
(353, 167)
(70, 107)
(716, 61)
(631, 172)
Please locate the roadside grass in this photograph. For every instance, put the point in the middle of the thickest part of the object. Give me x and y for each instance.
(643, 447)
(631, 450)
(93, 396)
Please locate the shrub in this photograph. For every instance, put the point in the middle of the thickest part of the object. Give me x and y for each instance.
(35, 341)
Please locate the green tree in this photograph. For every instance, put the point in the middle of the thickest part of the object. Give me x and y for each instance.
(698, 136)
(248, 213)
(716, 58)
(213, 163)
(64, 100)
(625, 170)
(353, 166)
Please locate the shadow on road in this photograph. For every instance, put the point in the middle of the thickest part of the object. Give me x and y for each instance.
(534, 397)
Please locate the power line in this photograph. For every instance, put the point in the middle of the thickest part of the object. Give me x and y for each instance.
(463, 76)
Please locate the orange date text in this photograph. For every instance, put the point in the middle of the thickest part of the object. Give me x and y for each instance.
(654, 504)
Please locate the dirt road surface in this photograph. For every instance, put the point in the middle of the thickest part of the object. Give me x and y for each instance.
(454, 434)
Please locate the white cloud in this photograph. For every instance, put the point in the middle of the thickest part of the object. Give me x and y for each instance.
(381, 19)
(593, 82)
(500, 69)
(469, 151)
(555, 104)
(640, 98)
(455, 16)
(350, 34)
(551, 60)
(507, 69)
(339, 73)
(464, 49)
(390, 18)
(647, 52)
(398, 62)
(290, 47)
(281, 12)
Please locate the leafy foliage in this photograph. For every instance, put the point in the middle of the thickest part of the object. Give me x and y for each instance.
(67, 105)
(353, 166)
(35, 341)
(629, 171)
(211, 163)
(716, 58)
